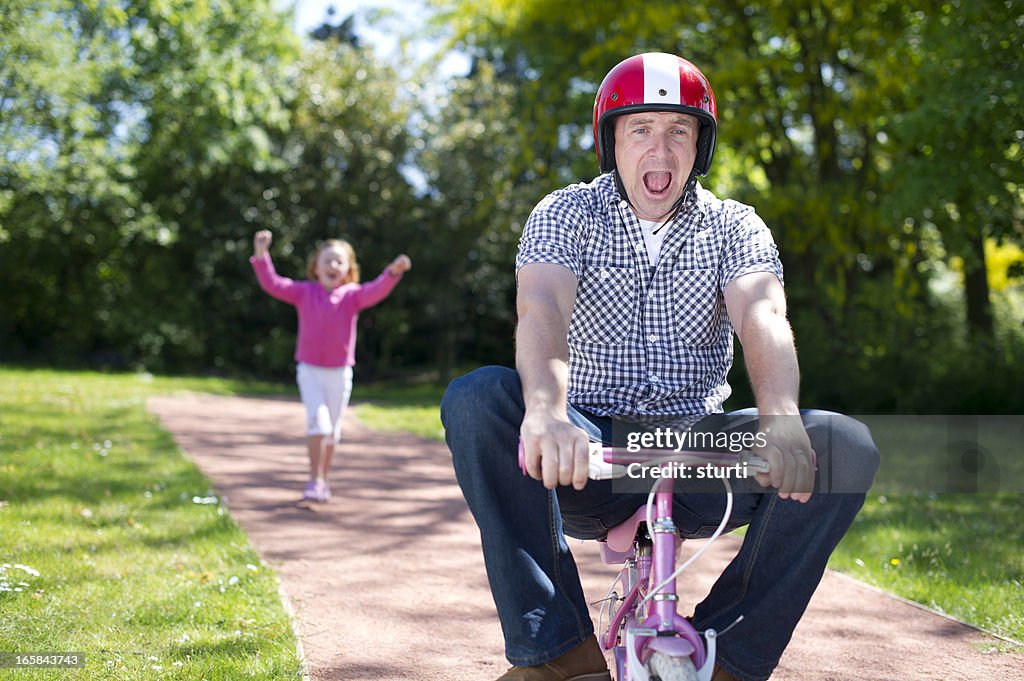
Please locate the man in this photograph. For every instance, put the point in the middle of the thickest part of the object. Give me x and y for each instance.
(629, 291)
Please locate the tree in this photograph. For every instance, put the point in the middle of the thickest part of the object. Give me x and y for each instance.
(963, 144)
(343, 157)
(211, 85)
(135, 117)
(809, 94)
(62, 172)
(478, 209)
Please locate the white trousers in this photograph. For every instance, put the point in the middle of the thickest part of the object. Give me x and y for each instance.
(325, 392)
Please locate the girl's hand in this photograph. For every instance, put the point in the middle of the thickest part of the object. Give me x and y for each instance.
(399, 265)
(261, 242)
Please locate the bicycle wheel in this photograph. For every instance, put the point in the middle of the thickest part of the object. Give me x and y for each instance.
(664, 667)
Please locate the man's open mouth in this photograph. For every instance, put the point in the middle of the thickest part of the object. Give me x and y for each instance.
(657, 182)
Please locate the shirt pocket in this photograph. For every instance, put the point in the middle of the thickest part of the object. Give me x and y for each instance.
(699, 251)
(697, 309)
(605, 305)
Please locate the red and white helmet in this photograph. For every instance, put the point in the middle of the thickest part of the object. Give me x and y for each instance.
(654, 81)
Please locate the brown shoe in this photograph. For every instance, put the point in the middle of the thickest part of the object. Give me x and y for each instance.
(722, 675)
(585, 662)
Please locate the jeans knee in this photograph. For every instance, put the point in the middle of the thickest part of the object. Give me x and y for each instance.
(863, 453)
(852, 456)
(480, 397)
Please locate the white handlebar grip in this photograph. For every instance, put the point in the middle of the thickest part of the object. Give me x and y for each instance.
(755, 463)
(601, 469)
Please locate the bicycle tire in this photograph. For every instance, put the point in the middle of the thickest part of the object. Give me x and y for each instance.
(663, 667)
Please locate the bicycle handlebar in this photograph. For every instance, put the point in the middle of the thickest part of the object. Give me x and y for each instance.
(606, 463)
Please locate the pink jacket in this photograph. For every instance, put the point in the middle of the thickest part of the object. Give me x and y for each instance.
(327, 319)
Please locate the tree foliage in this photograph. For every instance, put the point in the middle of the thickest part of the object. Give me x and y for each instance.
(815, 101)
(136, 115)
(62, 165)
(478, 200)
(961, 148)
(143, 143)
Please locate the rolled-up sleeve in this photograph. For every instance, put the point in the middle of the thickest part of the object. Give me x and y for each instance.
(554, 233)
(749, 248)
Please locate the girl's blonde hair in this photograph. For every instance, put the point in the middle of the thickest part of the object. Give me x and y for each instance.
(353, 266)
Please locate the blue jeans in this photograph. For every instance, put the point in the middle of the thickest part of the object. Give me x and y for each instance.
(532, 574)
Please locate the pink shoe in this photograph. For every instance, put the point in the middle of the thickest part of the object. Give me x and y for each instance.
(312, 491)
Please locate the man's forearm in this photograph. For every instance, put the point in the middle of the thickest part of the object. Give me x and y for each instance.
(542, 360)
(544, 302)
(554, 450)
(770, 357)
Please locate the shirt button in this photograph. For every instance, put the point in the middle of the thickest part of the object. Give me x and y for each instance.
(653, 378)
(605, 274)
(638, 247)
(623, 203)
(652, 338)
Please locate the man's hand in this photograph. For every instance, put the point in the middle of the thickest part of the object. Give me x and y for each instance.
(261, 242)
(787, 450)
(557, 452)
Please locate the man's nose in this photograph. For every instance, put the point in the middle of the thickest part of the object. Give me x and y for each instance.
(659, 143)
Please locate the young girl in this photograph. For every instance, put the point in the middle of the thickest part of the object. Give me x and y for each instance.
(328, 307)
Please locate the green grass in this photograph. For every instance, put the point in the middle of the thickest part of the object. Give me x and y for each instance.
(104, 550)
(409, 408)
(956, 553)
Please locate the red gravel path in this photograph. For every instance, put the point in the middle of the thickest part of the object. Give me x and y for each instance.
(387, 579)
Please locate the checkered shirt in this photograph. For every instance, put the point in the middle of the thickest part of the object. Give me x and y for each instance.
(648, 342)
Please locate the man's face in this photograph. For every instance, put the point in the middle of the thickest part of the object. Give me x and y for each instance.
(654, 153)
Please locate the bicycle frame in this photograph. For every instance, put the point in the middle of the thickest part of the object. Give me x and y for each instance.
(649, 577)
(647, 619)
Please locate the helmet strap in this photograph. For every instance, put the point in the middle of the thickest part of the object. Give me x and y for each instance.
(620, 186)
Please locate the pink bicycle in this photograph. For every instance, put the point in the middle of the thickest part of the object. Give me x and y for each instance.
(650, 640)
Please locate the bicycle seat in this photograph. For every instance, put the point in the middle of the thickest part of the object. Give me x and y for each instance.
(620, 538)
(617, 547)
